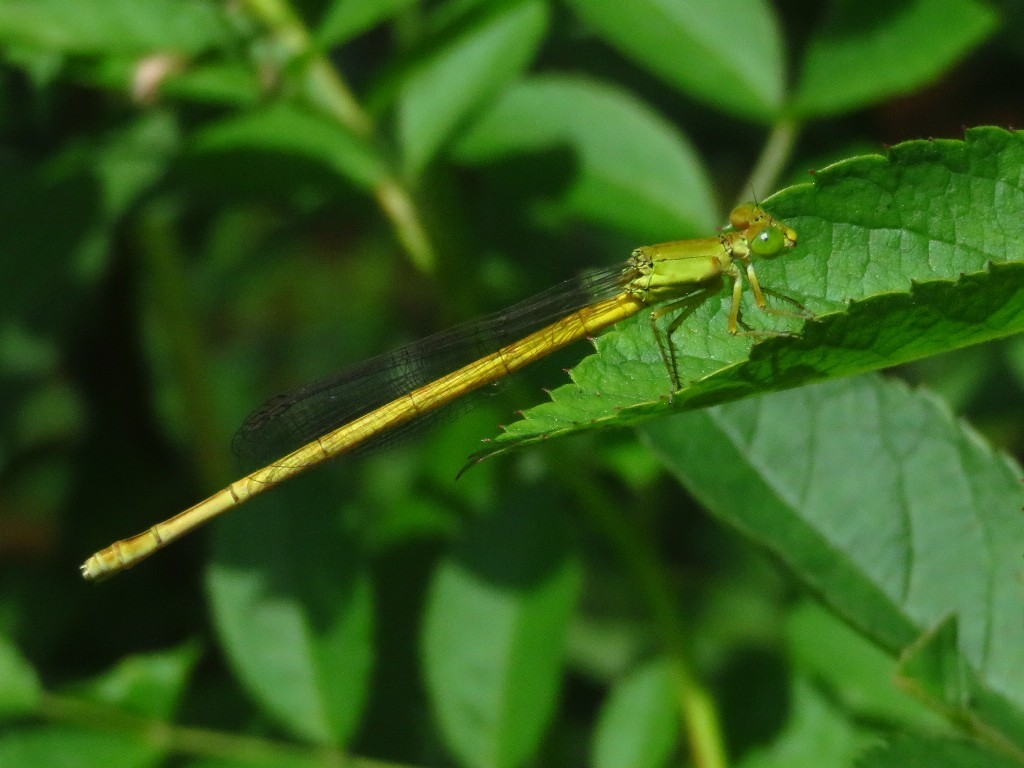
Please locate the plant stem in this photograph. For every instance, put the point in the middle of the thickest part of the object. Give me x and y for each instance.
(637, 553)
(326, 89)
(773, 158)
(164, 736)
(323, 84)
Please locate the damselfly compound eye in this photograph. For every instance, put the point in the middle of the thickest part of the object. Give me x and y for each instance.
(768, 242)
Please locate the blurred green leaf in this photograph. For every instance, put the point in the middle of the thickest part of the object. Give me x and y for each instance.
(19, 686)
(728, 54)
(866, 52)
(851, 670)
(817, 735)
(51, 412)
(909, 238)
(131, 160)
(293, 607)
(232, 84)
(115, 27)
(1015, 358)
(907, 751)
(263, 761)
(23, 353)
(344, 19)
(150, 685)
(494, 635)
(894, 513)
(58, 746)
(638, 724)
(294, 133)
(636, 173)
(472, 63)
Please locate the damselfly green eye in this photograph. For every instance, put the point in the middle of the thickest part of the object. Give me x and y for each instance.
(768, 242)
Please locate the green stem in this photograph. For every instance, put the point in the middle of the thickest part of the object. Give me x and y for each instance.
(398, 206)
(323, 84)
(163, 736)
(773, 158)
(325, 88)
(638, 554)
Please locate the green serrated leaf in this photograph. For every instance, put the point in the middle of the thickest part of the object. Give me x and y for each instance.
(894, 513)
(693, 45)
(866, 52)
(115, 27)
(494, 635)
(459, 76)
(926, 241)
(293, 606)
(636, 172)
(19, 687)
(638, 725)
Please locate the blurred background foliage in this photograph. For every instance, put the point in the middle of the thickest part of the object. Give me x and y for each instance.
(205, 203)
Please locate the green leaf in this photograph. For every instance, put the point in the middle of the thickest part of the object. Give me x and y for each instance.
(294, 134)
(233, 84)
(19, 687)
(345, 19)
(131, 161)
(466, 69)
(817, 734)
(638, 724)
(852, 671)
(935, 753)
(918, 240)
(150, 685)
(280, 760)
(635, 171)
(936, 670)
(293, 607)
(867, 52)
(61, 746)
(494, 635)
(50, 413)
(726, 53)
(115, 27)
(24, 354)
(897, 515)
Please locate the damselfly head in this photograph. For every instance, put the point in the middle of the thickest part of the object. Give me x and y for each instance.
(766, 235)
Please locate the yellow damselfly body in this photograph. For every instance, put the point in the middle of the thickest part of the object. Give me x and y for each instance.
(318, 422)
